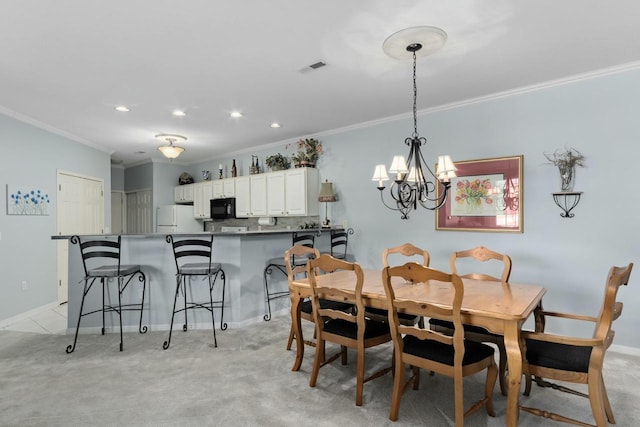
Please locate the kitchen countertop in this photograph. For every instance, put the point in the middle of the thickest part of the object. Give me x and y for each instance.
(253, 231)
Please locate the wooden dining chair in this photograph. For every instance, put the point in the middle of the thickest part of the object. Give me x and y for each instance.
(407, 250)
(294, 270)
(576, 360)
(410, 251)
(348, 329)
(501, 263)
(418, 348)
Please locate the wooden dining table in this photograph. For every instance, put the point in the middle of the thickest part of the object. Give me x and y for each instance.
(501, 308)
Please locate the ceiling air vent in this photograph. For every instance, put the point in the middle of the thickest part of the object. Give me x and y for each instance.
(314, 66)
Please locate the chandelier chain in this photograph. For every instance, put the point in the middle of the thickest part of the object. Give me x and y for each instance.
(415, 98)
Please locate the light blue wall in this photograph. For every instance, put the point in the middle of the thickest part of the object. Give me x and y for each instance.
(117, 178)
(32, 157)
(570, 257)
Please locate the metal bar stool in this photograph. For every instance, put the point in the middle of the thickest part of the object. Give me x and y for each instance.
(101, 260)
(193, 258)
(278, 263)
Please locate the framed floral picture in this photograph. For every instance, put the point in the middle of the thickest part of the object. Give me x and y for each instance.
(486, 195)
(27, 201)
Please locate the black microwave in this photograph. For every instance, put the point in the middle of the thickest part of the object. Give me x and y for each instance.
(223, 208)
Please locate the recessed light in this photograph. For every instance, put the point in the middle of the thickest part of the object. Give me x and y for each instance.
(275, 125)
(235, 114)
(179, 113)
(122, 108)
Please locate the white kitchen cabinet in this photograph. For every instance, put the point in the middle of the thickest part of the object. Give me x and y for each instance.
(224, 188)
(243, 197)
(301, 192)
(258, 194)
(202, 194)
(276, 193)
(183, 193)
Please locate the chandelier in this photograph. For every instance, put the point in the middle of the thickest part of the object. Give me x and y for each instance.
(170, 151)
(414, 182)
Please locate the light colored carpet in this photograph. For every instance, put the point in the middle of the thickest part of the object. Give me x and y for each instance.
(246, 381)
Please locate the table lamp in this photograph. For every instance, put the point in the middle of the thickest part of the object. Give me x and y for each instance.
(327, 196)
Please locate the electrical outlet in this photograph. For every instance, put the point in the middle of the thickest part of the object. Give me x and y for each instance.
(24, 285)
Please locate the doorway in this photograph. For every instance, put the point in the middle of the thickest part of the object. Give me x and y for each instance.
(80, 210)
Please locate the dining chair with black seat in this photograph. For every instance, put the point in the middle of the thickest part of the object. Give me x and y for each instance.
(277, 263)
(193, 257)
(349, 329)
(408, 252)
(101, 259)
(306, 309)
(576, 360)
(418, 348)
(497, 262)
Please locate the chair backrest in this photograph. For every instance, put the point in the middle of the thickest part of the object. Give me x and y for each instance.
(417, 273)
(98, 252)
(351, 292)
(611, 309)
(302, 239)
(407, 250)
(339, 242)
(191, 249)
(482, 254)
(300, 251)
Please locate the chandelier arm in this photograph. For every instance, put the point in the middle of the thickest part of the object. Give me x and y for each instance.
(404, 210)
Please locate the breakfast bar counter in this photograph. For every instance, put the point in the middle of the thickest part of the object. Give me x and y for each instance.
(243, 255)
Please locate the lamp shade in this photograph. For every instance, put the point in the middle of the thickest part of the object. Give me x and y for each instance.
(398, 165)
(326, 192)
(445, 168)
(170, 151)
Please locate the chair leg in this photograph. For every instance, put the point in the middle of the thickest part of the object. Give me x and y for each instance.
(596, 399)
(120, 289)
(72, 347)
(267, 271)
(607, 404)
(492, 373)
(359, 374)
(398, 386)
(184, 293)
(213, 320)
(167, 343)
(102, 282)
(317, 361)
(143, 279)
(291, 336)
(223, 325)
(502, 368)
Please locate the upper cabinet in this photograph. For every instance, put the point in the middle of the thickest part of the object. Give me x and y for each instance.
(243, 197)
(224, 188)
(275, 194)
(258, 194)
(202, 195)
(301, 191)
(183, 193)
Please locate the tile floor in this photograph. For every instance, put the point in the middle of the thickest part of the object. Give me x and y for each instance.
(46, 321)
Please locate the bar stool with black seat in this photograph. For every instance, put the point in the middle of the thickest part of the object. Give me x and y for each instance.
(193, 258)
(101, 260)
(339, 244)
(302, 239)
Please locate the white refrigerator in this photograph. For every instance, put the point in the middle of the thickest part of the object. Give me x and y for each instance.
(177, 219)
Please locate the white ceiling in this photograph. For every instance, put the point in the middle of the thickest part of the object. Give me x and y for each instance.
(66, 64)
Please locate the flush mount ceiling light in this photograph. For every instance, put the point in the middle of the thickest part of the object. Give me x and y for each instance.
(414, 182)
(170, 151)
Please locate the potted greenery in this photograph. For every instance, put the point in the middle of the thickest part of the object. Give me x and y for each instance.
(566, 162)
(309, 149)
(278, 162)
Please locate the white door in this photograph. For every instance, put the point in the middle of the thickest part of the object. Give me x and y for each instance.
(80, 210)
(117, 212)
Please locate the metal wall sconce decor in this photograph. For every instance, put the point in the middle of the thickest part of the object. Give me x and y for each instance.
(567, 201)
